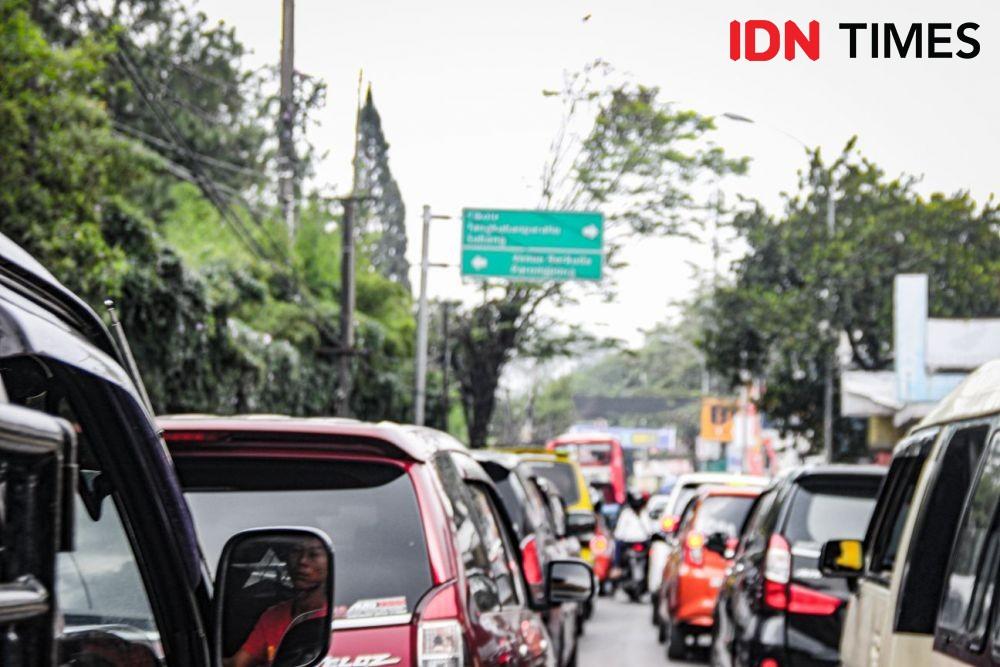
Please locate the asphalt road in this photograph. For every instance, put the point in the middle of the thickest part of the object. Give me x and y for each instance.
(620, 633)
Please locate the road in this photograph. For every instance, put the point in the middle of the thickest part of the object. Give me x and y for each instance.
(620, 633)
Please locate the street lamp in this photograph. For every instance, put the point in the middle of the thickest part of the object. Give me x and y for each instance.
(831, 219)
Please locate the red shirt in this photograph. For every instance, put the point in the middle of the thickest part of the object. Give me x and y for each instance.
(263, 641)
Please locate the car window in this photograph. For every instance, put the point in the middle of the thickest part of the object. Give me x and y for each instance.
(831, 510)
(971, 577)
(934, 532)
(758, 527)
(561, 475)
(684, 496)
(468, 538)
(376, 572)
(892, 510)
(101, 594)
(722, 514)
(497, 548)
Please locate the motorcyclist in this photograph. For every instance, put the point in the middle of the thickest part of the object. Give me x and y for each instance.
(629, 529)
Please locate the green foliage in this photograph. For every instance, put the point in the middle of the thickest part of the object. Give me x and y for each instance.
(214, 327)
(382, 220)
(796, 277)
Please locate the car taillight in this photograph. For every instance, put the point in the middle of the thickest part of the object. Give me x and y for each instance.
(769, 662)
(598, 544)
(440, 644)
(440, 641)
(777, 573)
(694, 549)
(668, 524)
(638, 547)
(530, 561)
(782, 595)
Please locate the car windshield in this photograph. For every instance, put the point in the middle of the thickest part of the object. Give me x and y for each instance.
(723, 514)
(560, 474)
(822, 513)
(377, 572)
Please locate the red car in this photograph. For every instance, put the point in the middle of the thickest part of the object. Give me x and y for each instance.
(696, 565)
(426, 571)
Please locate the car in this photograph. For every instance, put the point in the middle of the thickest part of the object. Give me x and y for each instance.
(538, 538)
(667, 512)
(696, 565)
(775, 607)
(427, 567)
(566, 475)
(925, 572)
(99, 562)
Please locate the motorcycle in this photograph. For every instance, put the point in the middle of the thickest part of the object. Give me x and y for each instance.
(635, 566)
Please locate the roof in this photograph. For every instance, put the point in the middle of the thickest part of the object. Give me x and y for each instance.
(835, 469)
(504, 459)
(413, 442)
(962, 344)
(977, 396)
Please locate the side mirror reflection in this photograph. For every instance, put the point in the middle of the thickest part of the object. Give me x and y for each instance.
(568, 581)
(274, 598)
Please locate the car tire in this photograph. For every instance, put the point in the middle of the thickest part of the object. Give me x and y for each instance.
(675, 635)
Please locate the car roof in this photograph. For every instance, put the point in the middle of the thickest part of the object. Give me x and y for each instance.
(500, 458)
(26, 276)
(726, 478)
(978, 395)
(833, 470)
(418, 443)
(712, 491)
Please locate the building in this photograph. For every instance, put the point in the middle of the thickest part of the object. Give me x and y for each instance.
(931, 355)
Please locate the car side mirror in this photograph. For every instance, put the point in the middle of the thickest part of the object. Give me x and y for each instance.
(269, 577)
(717, 543)
(842, 558)
(569, 580)
(580, 524)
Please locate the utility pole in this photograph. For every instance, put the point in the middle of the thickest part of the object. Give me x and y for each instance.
(445, 362)
(286, 121)
(342, 407)
(421, 379)
(831, 361)
(420, 390)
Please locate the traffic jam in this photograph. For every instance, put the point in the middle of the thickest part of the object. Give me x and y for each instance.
(341, 542)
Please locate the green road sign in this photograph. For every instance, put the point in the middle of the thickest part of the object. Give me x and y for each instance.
(532, 245)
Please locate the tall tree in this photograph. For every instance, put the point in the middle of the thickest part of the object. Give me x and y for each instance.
(635, 159)
(800, 291)
(382, 220)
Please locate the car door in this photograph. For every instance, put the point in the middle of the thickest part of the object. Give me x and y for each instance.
(516, 634)
(961, 632)
(37, 465)
(746, 580)
(869, 610)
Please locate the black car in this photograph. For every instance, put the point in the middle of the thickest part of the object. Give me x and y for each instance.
(539, 539)
(775, 608)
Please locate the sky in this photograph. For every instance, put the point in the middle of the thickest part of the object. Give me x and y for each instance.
(459, 87)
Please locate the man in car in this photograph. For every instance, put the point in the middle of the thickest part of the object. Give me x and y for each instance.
(309, 570)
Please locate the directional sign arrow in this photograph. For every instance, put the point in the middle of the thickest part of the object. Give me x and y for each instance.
(590, 232)
(479, 263)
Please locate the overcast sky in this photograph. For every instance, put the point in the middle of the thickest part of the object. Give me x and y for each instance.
(458, 84)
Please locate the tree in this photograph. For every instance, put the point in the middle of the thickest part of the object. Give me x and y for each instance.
(799, 290)
(382, 220)
(635, 159)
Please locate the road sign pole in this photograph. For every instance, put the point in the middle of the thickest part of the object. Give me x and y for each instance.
(420, 397)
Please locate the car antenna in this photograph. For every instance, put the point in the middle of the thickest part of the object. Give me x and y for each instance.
(126, 351)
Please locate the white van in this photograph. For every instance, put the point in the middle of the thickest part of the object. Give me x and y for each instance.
(926, 571)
